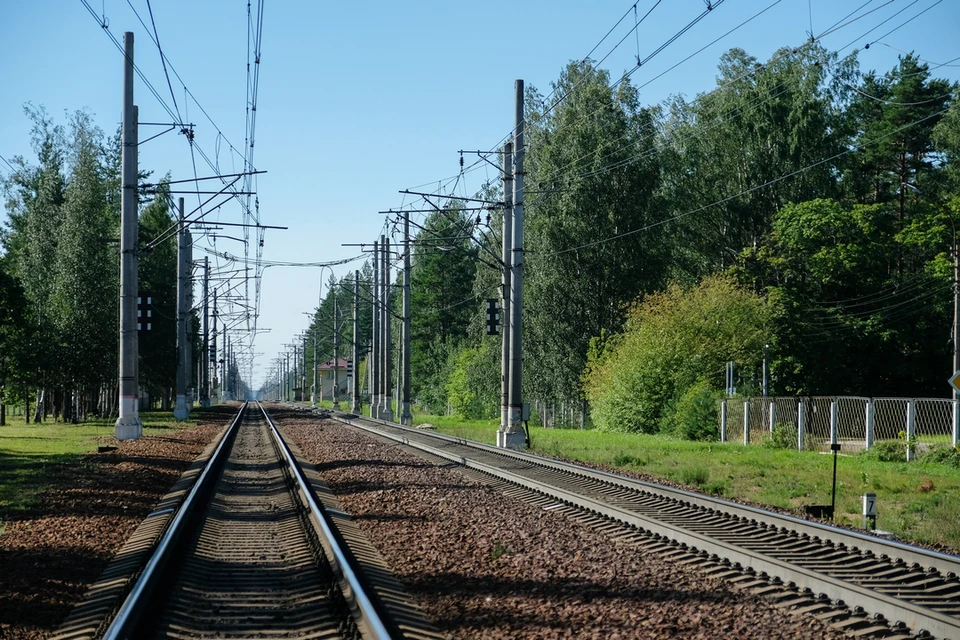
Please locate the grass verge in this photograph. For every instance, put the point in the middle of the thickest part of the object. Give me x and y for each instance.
(27, 450)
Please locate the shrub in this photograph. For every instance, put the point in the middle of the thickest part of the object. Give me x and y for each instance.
(942, 454)
(887, 451)
(697, 413)
(669, 340)
(784, 436)
(460, 394)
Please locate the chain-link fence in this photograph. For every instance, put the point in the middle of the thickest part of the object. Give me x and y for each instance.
(858, 422)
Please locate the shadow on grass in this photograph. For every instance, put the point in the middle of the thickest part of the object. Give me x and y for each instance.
(83, 484)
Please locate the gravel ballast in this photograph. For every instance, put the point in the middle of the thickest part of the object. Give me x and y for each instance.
(487, 566)
(51, 553)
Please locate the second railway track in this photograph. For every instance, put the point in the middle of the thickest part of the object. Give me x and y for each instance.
(890, 588)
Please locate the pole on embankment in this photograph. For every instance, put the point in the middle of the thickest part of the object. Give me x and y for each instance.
(180, 410)
(128, 425)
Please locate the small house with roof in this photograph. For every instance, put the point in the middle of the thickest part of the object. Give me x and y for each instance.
(325, 373)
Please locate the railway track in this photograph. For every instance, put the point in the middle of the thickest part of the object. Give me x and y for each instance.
(253, 552)
(858, 582)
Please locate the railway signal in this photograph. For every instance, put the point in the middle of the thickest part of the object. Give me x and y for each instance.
(144, 311)
(493, 317)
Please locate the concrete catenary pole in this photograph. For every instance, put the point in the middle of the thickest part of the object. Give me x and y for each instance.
(205, 356)
(215, 386)
(374, 359)
(384, 363)
(506, 251)
(956, 337)
(128, 425)
(188, 352)
(303, 368)
(382, 359)
(355, 395)
(180, 410)
(315, 390)
(387, 346)
(514, 436)
(336, 353)
(406, 417)
(296, 369)
(226, 367)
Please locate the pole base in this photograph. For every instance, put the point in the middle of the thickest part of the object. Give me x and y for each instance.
(128, 429)
(511, 440)
(205, 403)
(181, 412)
(406, 418)
(387, 415)
(128, 425)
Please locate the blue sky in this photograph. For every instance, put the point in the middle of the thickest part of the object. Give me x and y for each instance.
(358, 101)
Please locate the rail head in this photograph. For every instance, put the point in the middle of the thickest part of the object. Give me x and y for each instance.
(124, 623)
(368, 617)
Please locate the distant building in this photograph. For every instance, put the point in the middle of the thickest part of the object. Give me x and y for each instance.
(325, 379)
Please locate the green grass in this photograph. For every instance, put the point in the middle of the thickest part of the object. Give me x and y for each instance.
(28, 450)
(778, 477)
(480, 430)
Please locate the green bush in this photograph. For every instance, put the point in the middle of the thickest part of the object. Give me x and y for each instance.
(784, 436)
(460, 394)
(696, 414)
(942, 454)
(669, 340)
(887, 451)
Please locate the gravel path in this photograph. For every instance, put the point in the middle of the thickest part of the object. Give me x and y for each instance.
(50, 554)
(486, 566)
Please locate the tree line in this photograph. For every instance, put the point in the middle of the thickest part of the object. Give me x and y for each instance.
(802, 211)
(59, 276)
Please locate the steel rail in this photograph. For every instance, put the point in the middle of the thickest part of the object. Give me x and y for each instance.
(124, 623)
(908, 553)
(917, 617)
(367, 617)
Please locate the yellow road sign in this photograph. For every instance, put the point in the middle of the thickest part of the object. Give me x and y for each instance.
(954, 380)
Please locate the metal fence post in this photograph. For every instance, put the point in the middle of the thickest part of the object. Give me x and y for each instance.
(956, 422)
(911, 420)
(723, 421)
(869, 424)
(834, 425)
(800, 425)
(773, 416)
(746, 422)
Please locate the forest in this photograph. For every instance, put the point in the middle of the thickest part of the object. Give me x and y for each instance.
(59, 277)
(803, 211)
